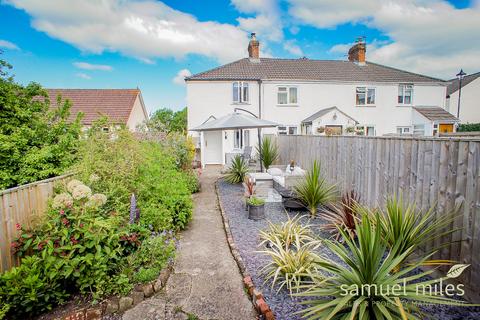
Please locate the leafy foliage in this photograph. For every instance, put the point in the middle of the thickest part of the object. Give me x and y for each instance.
(254, 201)
(288, 232)
(268, 152)
(167, 120)
(314, 190)
(344, 216)
(466, 127)
(352, 291)
(237, 171)
(37, 141)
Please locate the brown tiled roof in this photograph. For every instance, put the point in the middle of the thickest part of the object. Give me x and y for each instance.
(117, 104)
(306, 69)
(436, 114)
(455, 83)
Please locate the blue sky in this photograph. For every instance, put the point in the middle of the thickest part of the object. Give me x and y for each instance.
(153, 44)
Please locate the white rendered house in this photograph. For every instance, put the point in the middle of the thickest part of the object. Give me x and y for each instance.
(303, 94)
(469, 99)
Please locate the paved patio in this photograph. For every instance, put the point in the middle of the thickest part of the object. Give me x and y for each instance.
(206, 282)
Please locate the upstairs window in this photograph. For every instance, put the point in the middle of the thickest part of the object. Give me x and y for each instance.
(365, 96)
(287, 95)
(405, 93)
(240, 92)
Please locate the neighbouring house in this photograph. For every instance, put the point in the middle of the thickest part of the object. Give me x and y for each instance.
(306, 96)
(121, 106)
(469, 98)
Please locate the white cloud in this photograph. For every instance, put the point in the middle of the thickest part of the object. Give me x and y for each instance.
(8, 45)
(90, 66)
(143, 29)
(180, 77)
(293, 48)
(83, 76)
(426, 36)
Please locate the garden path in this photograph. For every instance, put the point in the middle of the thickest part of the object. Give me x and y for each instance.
(206, 282)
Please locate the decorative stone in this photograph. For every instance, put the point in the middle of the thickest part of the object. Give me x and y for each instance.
(262, 306)
(76, 315)
(147, 290)
(164, 274)
(138, 287)
(93, 314)
(137, 297)
(269, 315)
(257, 294)
(111, 306)
(124, 303)
(157, 285)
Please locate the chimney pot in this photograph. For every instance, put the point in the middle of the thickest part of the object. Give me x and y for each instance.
(254, 47)
(357, 51)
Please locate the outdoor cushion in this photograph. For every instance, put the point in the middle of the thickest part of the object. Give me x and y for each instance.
(275, 172)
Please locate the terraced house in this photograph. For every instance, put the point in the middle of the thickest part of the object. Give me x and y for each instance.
(314, 97)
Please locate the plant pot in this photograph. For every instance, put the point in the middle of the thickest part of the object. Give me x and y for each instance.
(246, 204)
(256, 212)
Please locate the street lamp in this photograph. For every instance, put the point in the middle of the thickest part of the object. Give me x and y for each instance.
(460, 77)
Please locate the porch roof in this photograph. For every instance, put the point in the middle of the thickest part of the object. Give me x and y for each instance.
(235, 121)
(323, 112)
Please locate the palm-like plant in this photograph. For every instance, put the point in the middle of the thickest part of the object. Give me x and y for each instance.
(314, 190)
(290, 267)
(288, 232)
(237, 171)
(344, 216)
(268, 152)
(358, 286)
(408, 227)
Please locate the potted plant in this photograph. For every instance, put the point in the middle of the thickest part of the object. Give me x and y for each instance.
(249, 185)
(321, 129)
(256, 208)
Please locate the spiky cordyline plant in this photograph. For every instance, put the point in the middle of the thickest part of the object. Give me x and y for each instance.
(249, 185)
(343, 216)
(290, 267)
(288, 232)
(358, 286)
(237, 171)
(409, 227)
(314, 190)
(268, 152)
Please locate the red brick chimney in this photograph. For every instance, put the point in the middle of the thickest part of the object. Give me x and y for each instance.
(253, 47)
(357, 51)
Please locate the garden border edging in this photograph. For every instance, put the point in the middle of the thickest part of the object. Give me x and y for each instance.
(256, 296)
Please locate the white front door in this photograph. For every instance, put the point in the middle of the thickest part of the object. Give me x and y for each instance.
(213, 147)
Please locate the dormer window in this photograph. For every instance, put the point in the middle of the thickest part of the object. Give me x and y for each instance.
(405, 94)
(240, 92)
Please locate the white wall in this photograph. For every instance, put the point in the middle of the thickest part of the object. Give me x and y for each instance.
(137, 115)
(469, 104)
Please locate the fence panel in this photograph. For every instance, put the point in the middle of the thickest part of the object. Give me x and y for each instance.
(441, 172)
(24, 205)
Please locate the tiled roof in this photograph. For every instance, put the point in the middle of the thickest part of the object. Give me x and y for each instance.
(322, 112)
(454, 83)
(306, 69)
(117, 104)
(436, 114)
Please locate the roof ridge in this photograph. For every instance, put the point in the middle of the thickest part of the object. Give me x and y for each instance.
(409, 72)
(216, 68)
(476, 74)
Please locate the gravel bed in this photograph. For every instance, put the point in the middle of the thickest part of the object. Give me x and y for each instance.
(245, 233)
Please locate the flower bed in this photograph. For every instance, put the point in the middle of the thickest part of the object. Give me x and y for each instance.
(245, 234)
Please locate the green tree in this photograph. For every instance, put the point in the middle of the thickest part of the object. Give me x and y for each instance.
(36, 141)
(167, 120)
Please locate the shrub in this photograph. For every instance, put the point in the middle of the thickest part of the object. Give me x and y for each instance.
(144, 275)
(268, 152)
(314, 191)
(237, 171)
(344, 216)
(288, 232)
(290, 267)
(31, 288)
(466, 127)
(366, 263)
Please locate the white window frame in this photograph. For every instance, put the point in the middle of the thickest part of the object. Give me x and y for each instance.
(289, 96)
(367, 89)
(404, 129)
(285, 130)
(401, 93)
(242, 89)
(418, 129)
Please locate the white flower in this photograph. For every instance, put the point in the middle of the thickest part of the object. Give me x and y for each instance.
(62, 200)
(72, 184)
(93, 178)
(81, 191)
(96, 200)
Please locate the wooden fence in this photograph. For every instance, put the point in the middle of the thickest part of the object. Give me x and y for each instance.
(23, 205)
(441, 172)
